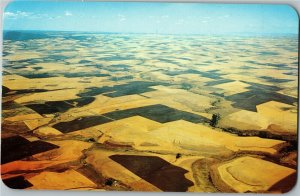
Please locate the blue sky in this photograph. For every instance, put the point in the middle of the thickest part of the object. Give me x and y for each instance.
(165, 18)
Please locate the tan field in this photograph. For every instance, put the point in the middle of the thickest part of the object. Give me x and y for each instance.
(150, 113)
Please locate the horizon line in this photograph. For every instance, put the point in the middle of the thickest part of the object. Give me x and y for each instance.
(117, 32)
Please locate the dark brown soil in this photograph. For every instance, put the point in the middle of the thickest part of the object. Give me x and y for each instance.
(18, 182)
(17, 148)
(80, 123)
(156, 171)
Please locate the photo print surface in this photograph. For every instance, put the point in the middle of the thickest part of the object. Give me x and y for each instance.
(139, 96)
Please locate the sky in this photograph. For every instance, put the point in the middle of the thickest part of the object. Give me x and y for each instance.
(163, 18)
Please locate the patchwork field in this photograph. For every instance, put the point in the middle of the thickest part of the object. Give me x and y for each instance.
(139, 112)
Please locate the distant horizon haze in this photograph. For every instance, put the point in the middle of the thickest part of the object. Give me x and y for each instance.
(157, 34)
